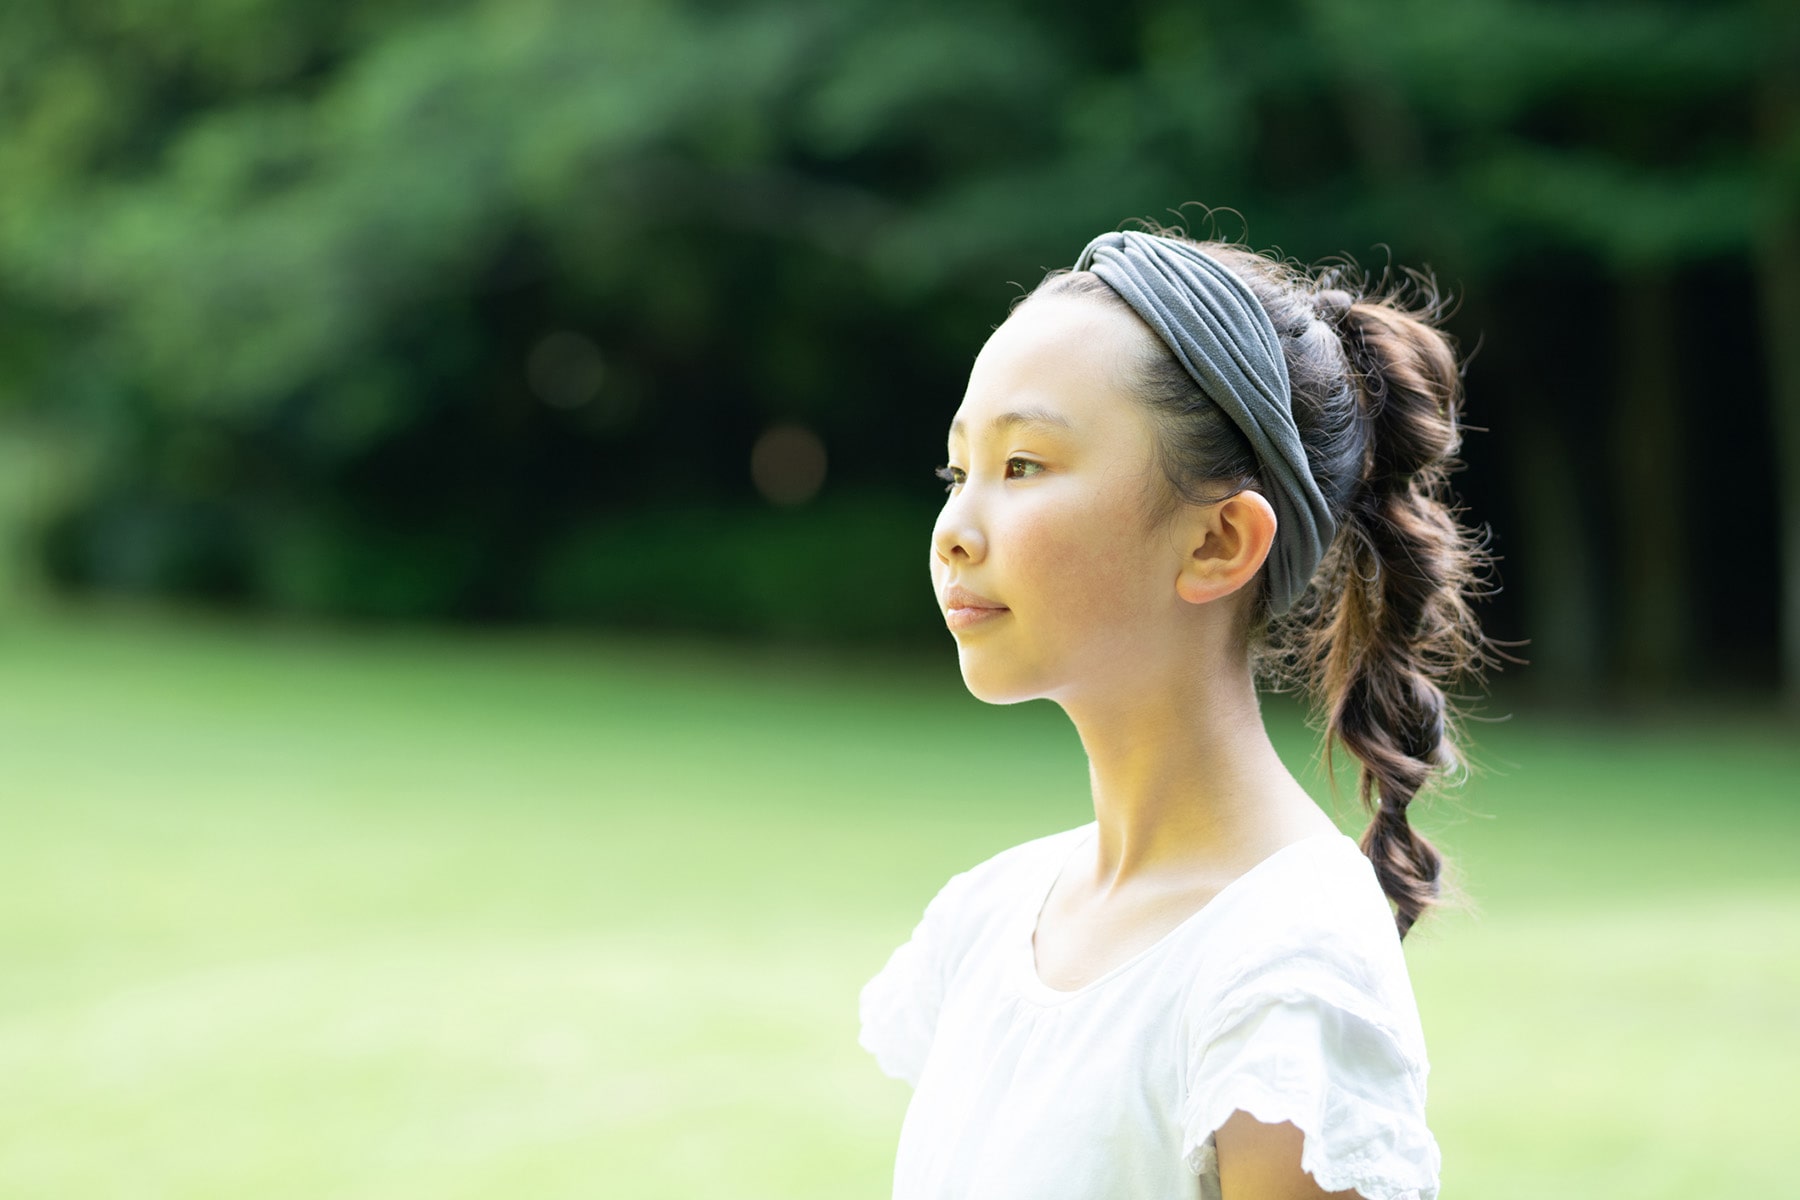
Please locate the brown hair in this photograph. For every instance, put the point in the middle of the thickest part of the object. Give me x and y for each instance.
(1385, 625)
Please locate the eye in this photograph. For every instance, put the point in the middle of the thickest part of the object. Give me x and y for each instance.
(1022, 468)
(950, 475)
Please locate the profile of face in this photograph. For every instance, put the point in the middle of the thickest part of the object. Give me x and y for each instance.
(1053, 577)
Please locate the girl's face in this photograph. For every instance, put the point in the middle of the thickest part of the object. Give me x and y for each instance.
(1050, 577)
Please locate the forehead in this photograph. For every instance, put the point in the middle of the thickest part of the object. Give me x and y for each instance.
(1065, 359)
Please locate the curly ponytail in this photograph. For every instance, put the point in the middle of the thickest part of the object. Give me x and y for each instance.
(1395, 623)
(1385, 624)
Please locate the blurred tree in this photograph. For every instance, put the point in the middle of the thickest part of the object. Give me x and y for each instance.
(318, 286)
(1603, 133)
(1777, 258)
(1605, 177)
(478, 309)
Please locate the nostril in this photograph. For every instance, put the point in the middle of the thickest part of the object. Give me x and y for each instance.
(948, 543)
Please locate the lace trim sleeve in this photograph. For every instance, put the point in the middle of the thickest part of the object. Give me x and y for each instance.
(1346, 1079)
(899, 1007)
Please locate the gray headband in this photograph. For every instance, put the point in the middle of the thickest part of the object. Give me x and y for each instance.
(1217, 330)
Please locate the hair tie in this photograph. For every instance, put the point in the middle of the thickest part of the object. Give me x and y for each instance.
(1332, 305)
(1218, 330)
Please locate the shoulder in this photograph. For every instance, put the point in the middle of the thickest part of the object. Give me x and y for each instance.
(899, 1007)
(1306, 1016)
(1316, 923)
(1014, 863)
(993, 888)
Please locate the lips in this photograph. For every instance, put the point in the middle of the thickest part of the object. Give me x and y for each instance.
(963, 608)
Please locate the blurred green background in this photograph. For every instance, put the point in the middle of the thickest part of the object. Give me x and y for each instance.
(476, 710)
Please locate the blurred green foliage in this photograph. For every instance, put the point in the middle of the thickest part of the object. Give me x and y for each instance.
(476, 309)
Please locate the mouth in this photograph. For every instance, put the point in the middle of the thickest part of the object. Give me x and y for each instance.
(967, 616)
(964, 609)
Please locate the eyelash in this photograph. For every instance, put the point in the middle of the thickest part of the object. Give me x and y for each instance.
(954, 475)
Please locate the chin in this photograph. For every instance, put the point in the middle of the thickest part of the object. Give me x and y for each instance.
(996, 686)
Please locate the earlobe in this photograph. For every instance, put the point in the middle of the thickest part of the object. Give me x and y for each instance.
(1226, 546)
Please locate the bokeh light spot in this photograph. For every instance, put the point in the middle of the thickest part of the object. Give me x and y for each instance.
(787, 464)
(565, 370)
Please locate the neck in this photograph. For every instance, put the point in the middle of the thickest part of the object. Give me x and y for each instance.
(1184, 776)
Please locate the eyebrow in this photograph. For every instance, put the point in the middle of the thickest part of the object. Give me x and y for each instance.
(1011, 420)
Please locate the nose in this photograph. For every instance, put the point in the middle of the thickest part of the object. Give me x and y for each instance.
(956, 537)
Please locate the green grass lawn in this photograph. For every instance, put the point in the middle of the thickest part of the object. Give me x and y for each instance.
(313, 914)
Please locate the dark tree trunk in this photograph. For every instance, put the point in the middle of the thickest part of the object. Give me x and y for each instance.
(1646, 446)
(1777, 265)
(1557, 576)
(1778, 270)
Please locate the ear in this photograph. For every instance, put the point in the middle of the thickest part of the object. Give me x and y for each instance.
(1224, 545)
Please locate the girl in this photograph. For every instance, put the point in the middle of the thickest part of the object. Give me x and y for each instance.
(1176, 466)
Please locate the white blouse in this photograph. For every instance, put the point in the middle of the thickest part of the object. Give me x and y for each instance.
(1285, 996)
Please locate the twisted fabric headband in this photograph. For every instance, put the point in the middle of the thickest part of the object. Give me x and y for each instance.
(1217, 330)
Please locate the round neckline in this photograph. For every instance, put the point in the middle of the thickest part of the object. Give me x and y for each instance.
(1033, 986)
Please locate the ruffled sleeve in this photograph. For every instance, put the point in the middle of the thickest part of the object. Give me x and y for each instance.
(1327, 1057)
(899, 1006)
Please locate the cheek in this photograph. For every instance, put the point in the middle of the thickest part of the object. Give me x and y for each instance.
(1088, 561)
